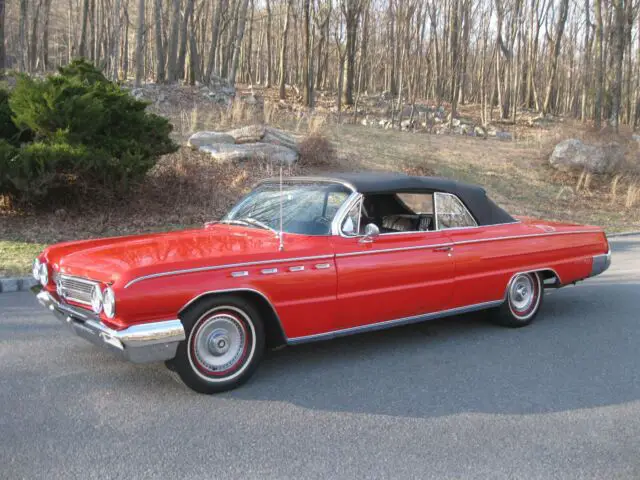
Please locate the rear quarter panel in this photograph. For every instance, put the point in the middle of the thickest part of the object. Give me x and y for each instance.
(487, 257)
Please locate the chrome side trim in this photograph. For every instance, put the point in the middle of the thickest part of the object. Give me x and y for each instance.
(222, 267)
(531, 235)
(399, 249)
(394, 323)
(320, 257)
(462, 242)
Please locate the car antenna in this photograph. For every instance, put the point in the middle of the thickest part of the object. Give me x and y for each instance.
(281, 246)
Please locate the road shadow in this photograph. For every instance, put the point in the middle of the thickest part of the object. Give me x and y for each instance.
(581, 352)
(576, 355)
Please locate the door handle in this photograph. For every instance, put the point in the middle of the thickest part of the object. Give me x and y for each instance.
(446, 248)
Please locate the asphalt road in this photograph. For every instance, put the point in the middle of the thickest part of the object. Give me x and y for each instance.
(456, 398)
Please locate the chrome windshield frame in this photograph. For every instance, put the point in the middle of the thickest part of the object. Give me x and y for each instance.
(335, 221)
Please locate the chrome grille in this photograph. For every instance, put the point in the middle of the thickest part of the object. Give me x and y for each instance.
(75, 289)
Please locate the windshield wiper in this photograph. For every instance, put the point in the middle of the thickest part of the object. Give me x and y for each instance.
(252, 222)
(233, 222)
(258, 223)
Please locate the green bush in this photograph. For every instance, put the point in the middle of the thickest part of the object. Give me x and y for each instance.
(8, 129)
(88, 134)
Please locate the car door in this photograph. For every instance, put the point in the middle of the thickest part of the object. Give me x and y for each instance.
(392, 276)
(483, 265)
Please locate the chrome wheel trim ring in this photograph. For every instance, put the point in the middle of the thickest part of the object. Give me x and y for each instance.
(524, 295)
(204, 343)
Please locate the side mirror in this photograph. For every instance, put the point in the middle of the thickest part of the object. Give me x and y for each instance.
(371, 231)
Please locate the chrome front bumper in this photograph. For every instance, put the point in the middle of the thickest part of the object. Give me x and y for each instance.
(600, 263)
(147, 342)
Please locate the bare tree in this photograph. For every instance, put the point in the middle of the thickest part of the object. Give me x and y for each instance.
(269, 70)
(557, 41)
(140, 41)
(184, 27)
(599, 64)
(22, 34)
(242, 20)
(2, 36)
(351, 9)
(579, 58)
(160, 56)
(306, 80)
(283, 52)
(172, 50)
(83, 34)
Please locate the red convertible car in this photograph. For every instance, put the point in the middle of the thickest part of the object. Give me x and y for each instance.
(310, 258)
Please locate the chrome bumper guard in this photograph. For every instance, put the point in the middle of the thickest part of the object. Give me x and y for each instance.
(147, 342)
(600, 263)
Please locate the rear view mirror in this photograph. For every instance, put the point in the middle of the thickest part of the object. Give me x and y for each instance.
(371, 231)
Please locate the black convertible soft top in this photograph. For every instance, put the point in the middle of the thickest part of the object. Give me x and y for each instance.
(485, 211)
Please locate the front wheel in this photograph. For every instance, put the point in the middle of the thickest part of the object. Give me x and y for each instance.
(524, 298)
(224, 345)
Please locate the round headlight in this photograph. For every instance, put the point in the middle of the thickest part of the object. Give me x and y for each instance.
(35, 269)
(43, 274)
(109, 303)
(96, 299)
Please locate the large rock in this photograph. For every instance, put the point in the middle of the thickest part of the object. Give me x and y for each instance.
(248, 134)
(279, 137)
(275, 154)
(199, 139)
(573, 154)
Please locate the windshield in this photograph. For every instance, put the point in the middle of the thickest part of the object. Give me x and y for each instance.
(306, 208)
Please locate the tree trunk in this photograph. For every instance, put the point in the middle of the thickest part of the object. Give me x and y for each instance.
(3, 53)
(586, 80)
(242, 20)
(140, 40)
(160, 56)
(283, 53)
(182, 51)
(269, 72)
(115, 44)
(83, 31)
(215, 37)
(45, 36)
(306, 81)
(562, 20)
(597, 108)
(22, 35)
(617, 58)
(174, 38)
(351, 10)
(194, 58)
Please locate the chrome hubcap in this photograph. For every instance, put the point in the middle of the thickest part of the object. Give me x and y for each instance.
(219, 342)
(522, 293)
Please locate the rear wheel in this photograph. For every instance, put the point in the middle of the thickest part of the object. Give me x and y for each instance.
(224, 345)
(524, 298)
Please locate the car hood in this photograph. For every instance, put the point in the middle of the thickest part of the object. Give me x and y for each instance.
(112, 259)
